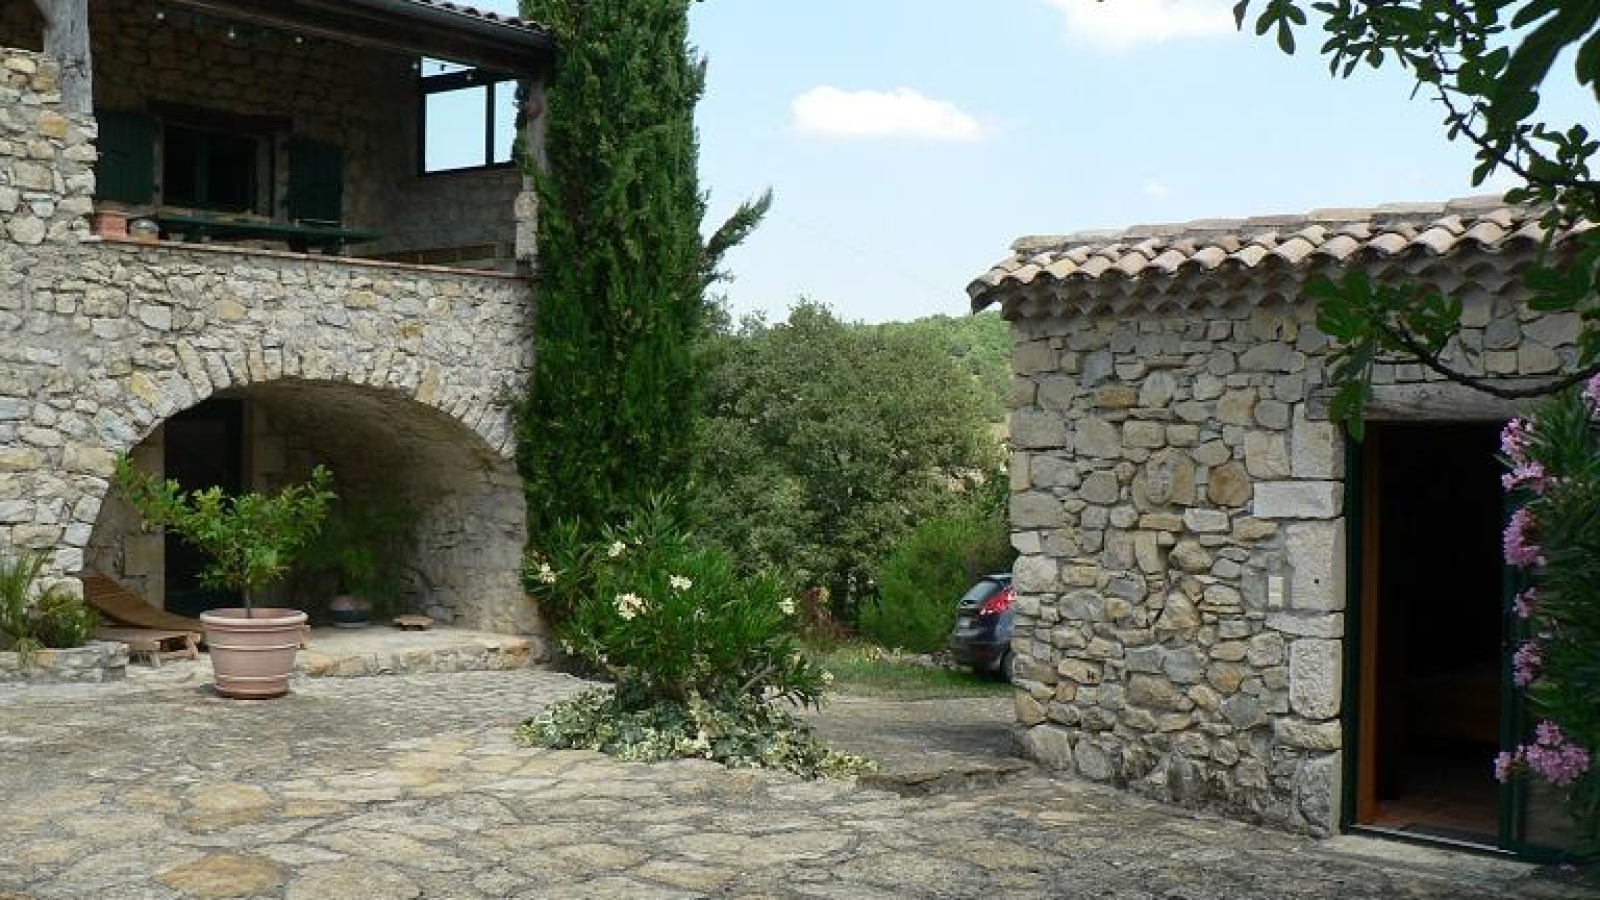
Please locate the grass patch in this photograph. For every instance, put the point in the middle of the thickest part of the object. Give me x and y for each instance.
(870, 671)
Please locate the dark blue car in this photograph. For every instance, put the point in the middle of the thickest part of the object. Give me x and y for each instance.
(982, 638)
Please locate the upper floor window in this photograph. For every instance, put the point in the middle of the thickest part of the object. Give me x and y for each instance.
(469, 117)
(208, 169)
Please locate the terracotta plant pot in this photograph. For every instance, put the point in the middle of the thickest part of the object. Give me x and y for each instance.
(253, 655)
(109, 222)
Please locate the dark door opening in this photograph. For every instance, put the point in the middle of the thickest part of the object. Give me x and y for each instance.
(204, 448)
(1431, 631)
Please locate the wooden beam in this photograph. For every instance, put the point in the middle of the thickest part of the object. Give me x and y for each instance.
(1436, 401)
(66, 40)
(351, 24)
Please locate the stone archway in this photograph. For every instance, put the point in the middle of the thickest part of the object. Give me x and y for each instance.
(462, 559)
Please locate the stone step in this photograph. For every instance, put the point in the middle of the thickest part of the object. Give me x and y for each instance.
(358, 653)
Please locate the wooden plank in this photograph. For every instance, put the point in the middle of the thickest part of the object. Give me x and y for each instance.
(66, 40)
(395, 30)
(1437, 401)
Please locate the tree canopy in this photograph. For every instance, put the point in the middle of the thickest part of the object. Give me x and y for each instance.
(826, 442)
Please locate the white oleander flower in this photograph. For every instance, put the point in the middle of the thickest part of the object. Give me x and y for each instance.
(616, 549)
(680, 583)
(786, 606)
(629, 605)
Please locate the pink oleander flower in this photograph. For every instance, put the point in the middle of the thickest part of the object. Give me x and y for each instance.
(1554, 758)
(1520, 551)
(1504, 763)
(1514, 440)
(1530, 475)
(1525, 664)
(1526, 602)
(1591, 393)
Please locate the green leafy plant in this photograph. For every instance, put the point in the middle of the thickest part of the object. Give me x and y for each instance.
(920, 582)
(670, 619)
(361, 543)
(743, 733)
(32, 619)
(251, 539)
(1554, 466)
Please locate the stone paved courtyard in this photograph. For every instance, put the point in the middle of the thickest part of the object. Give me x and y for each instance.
(411, 787)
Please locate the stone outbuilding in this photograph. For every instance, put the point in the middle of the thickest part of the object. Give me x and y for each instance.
(1223, 602)
(311, 245)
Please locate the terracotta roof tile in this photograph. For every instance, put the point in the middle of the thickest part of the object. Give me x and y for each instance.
(486, 15)
(1164, 254)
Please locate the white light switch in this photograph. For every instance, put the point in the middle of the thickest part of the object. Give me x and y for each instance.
(1275, 592)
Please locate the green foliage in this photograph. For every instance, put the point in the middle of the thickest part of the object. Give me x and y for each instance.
(362, 543)
(920, 582)
(672, 621)
(981, 343)
(1562, 613)
(619, 302)
(32, 619)
(1486, 62)
(250, 539)
(740, 733)
(826, 442)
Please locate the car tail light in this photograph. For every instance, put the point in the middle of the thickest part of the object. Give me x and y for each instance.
(997, 604)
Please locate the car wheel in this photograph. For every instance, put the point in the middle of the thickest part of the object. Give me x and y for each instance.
(1007, 670)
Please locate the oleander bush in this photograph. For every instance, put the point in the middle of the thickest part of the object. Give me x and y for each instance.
(699, 654)
(1553, 462)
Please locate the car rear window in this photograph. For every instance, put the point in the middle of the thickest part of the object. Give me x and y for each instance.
(980, 592)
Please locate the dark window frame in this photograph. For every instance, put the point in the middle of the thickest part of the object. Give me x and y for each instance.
(464, 80)
(263, 131)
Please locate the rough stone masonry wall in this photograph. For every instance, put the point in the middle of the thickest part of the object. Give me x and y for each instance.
(1181, 584)
(46, 159)
(101, 342)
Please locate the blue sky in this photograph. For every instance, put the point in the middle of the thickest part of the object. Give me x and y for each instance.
(910, 141)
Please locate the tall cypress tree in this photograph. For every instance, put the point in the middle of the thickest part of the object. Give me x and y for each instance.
(623, 269)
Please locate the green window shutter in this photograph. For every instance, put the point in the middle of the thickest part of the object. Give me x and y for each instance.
(125, 172)
(316, 182)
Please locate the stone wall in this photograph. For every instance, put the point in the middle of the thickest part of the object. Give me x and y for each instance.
(360, 99)
(46, 158)
(1178, 507)
(93, 663)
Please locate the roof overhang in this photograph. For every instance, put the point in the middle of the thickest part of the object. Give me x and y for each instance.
(415, 27)
(1150, 268)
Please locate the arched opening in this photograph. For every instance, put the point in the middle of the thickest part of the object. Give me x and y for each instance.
(460, 556)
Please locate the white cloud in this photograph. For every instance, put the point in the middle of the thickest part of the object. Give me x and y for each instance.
(826, 111)
(1154, 188)
(1117, 25)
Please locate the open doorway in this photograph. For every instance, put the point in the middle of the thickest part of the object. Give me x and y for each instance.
(204, 449)
(1431, 630)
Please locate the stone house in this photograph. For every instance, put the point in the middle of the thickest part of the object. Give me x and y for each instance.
(1225, 603)
(328, 264)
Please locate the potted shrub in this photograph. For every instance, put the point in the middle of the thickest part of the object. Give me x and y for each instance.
(360, 545)
(251, 540)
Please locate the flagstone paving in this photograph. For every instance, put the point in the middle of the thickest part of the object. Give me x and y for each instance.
(412, 787)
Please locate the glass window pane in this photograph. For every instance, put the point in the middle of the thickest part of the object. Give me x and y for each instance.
(455, 129)
(505, 120)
